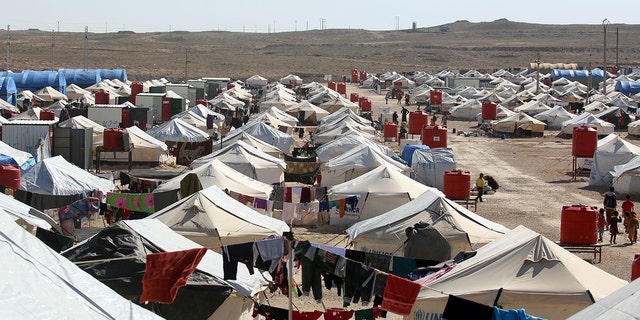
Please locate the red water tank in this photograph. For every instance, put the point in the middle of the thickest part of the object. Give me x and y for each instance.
(342, 88)
(363, 75)
(457, 184)
(112, 138)
(435, 97)
(578, 224)
(489, 110)
(202, 102)
(355, 76)
(102, 97)
(47, 115)
(319, 178)
(166, 109)
(365, 106)
(332, 85)
(136, 87)
(390, 130)
(584, 142)
(10, 176)
(126, 118)
(417, 120)
(353, 97)
(635, 267)
(230, 85)
(434, 136)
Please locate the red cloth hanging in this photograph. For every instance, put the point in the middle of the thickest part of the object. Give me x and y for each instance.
(166, 272)
(399, 295)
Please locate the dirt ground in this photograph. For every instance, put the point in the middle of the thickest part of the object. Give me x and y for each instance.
(536, 180)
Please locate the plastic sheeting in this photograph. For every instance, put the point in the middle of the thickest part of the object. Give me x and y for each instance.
(38, 283)
(81, 77)
(429, 166)
(56, 176)
(176, 130)
(12, 156)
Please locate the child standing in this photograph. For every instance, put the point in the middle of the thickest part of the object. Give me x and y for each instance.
(601, 224)
(613, 227)
(633, 228)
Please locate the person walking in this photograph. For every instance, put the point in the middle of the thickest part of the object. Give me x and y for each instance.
(610, 203)
(404, 112)
(601, 224)
(613, 227)
(633, 228)
(386, 98)
(394, 117)
(480, 187)
(627, 205)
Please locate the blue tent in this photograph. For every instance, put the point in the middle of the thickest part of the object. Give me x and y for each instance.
(120, 74)
(597, 73)
(8, 90)
(36, 80)
(569, 74)
(628, 87)
(82, 77)
(407, 152)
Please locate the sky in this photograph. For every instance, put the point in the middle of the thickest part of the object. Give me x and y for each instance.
(285, 16)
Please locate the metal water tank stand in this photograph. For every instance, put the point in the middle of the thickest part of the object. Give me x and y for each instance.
(99, 150)
(575, 170)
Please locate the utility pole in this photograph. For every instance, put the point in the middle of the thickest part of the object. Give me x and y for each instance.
(8, 44)
(617, 65)
(605, 24)
(538, 73)
(86, 47)
(186, 63)
(53, 49)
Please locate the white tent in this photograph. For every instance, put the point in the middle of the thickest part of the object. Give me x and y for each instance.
(518, 122)
(256, 81)
(265, 133)
(555, 116)
(345, 143)
(56, 176)
(176, 130)
(31, 114)
(224, 101)
(463, 229)
(522, 269)
(312, 114)
(467, 110)
(429, 166)
(50, 94)
(633, 128)
(624, 303)
(219, 174)
(378, 191)
(13, 156)
(355, 163)
(612, 151)
(626, 177)
(338, 115)
(145, 147)
(532, 107)
(288, 119)
(338, 103)
(38, 283)
(250, 140)
(22, 212)
(248, 161)
(212, 218)
(501, 113)
(588, 120)
(81, 122)
(291, 79)
(195, 120)
(74, 91)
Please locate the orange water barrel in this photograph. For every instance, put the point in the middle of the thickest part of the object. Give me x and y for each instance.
(47, 115)
(635, 267)
(489, 110)
(102, 97)
(584, 142)
(112, 138)
(435, 97)
(390, 130)
(342, 88)
(332, 85)
(353, 97)
(10, 176)
(434, 136)
(417, 120)
(578, 224)
(457, 184)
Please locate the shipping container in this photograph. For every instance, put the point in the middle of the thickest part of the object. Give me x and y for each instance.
(26, 135)
(186, 91)
(74, 145)
(106, 115)
(199, 84)
(153, 102)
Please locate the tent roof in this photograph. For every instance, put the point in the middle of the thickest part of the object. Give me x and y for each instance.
(50, 94)
(266, 133)
(219, 174)
(339, 146)
(81, 122)
(362, 156)
(526, 269)
(56, 176)
(18, 209)
(179, 131)
(141, 139)
(381, 181)
(431, 207)
(11, 155)
(250, 140)
(211, 212)
(623, 303)
(241, 152)
(56, 287)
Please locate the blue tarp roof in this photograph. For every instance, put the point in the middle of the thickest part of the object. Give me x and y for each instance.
(35, 80)
(628, 87)
(569, 74)
(7, 86)
(120, 74)
(407, 152)
(82, 77)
